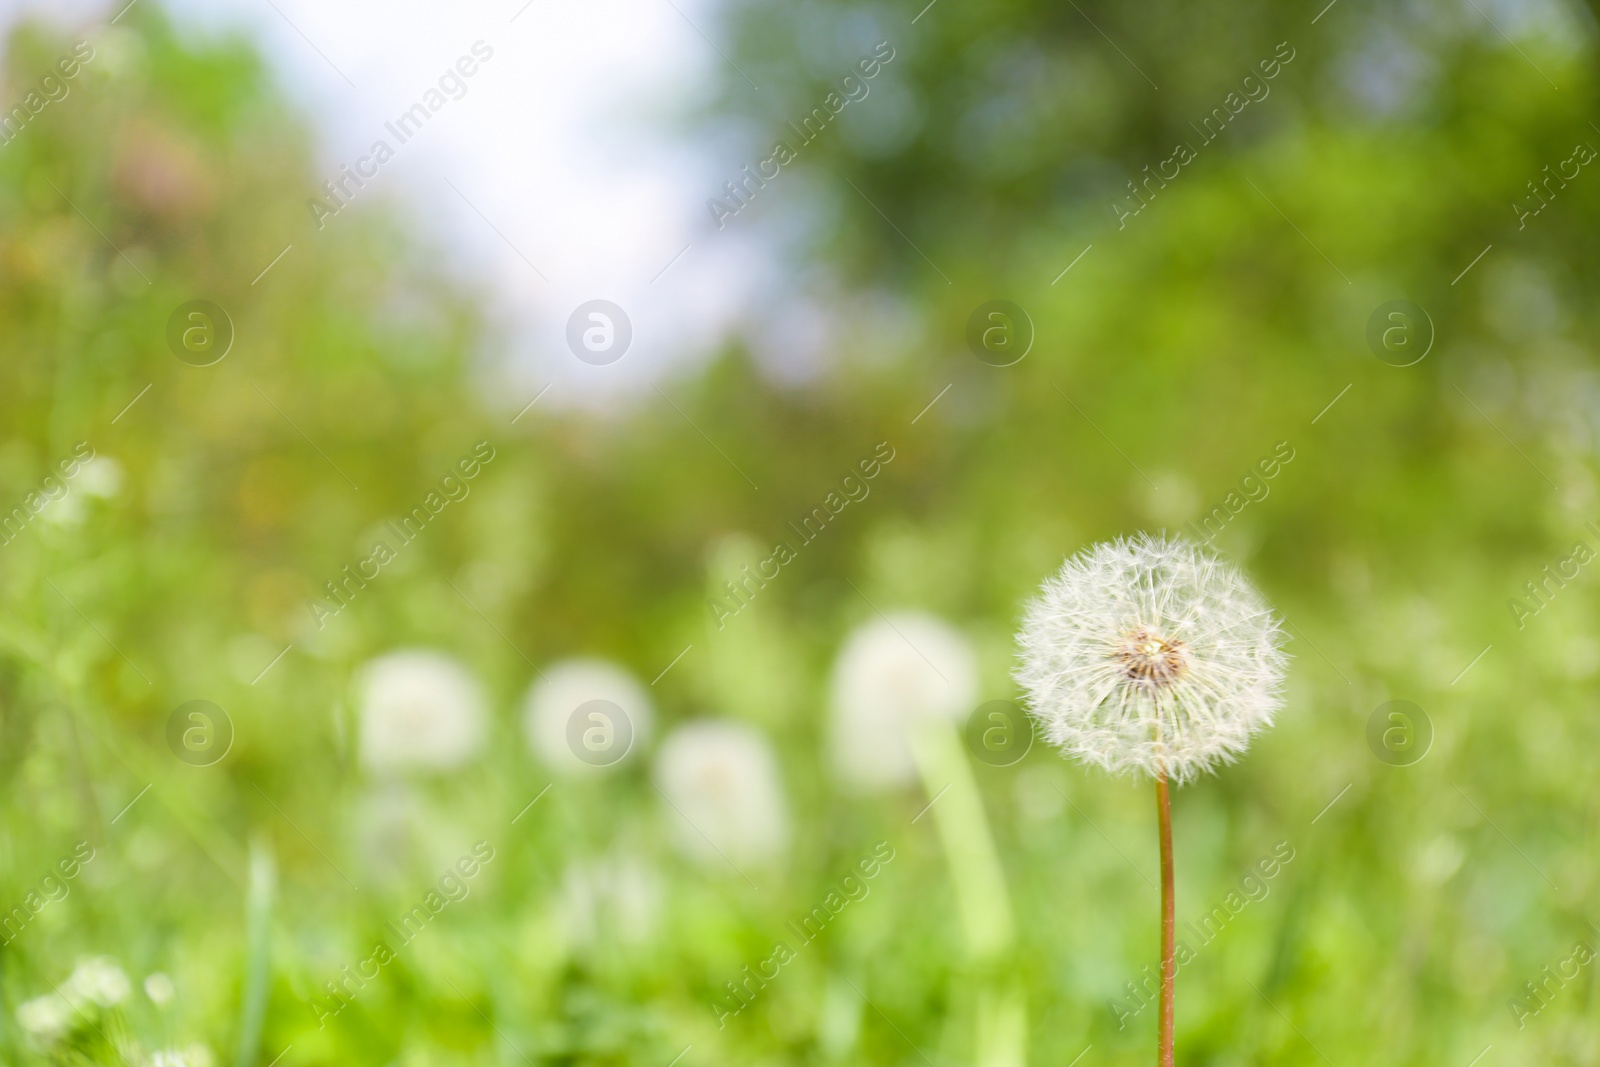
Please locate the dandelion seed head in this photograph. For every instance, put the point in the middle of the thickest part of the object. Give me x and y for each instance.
(893, 674)
(96, 983)
(1150, 655)
(159, 988)
(45, 1018)
(100, 980)
(420, 710)
(564, 688)
(725, 799)
(101, 477)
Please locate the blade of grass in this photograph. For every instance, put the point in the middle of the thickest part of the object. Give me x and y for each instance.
(258, 940)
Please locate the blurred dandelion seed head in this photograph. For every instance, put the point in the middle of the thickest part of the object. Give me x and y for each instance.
(1150, 655)
(721, 781)
(566, 687)
(893, 674)
(98, 980)
(45, 1018)
(101, 476)
(159, 988)
(420, 710)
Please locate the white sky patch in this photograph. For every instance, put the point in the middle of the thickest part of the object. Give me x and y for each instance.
(572, 142)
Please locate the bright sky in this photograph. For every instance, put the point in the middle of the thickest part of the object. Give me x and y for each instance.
(564, 155)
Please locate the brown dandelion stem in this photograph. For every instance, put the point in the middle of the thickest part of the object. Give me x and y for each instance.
(1168, 925)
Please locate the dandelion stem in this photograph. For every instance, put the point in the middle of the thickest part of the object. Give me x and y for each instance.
(1168, 924)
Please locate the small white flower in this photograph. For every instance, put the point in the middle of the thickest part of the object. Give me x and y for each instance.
(419, 710)
(1151, 656)
(571, 741)
(98, 979)
(46, 1017)
(893, 674)
(720, 780)
(159, 988)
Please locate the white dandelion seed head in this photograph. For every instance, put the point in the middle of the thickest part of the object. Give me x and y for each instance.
(1150, 655)
(420, 710)
(159, 988)
(68, 510)
(99, 980)
(45, 1018)
(101, 477)
(893, 674)
(724, 797)
(554, 699)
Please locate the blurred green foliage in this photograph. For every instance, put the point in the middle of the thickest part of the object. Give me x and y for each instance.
(1174, 355)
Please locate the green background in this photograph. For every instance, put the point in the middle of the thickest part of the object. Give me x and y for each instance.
(1176, 353)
